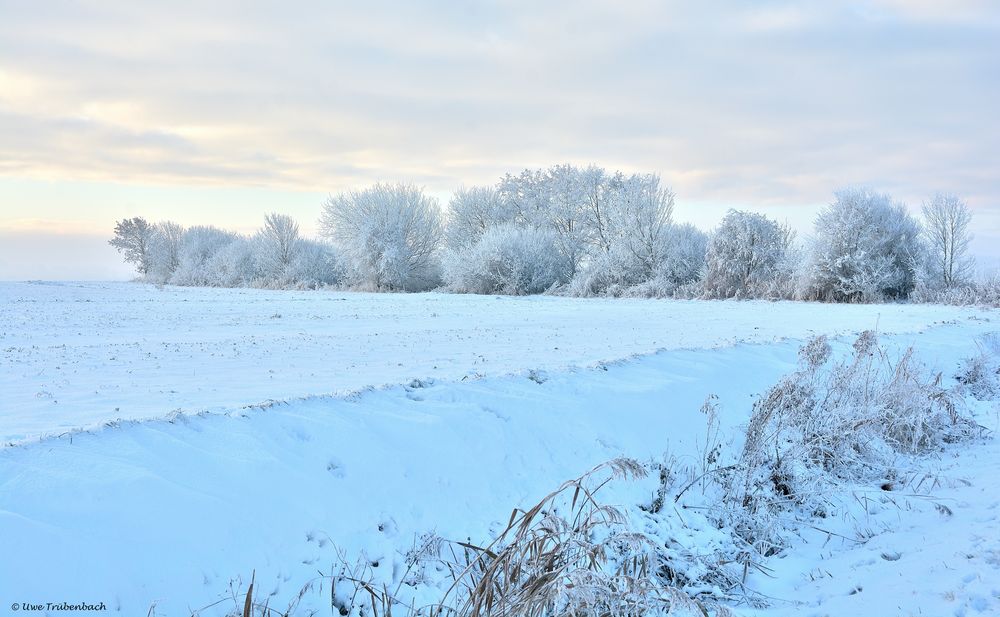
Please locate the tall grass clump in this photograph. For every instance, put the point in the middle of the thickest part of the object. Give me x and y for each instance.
(830, 422)
(984, 292)
(569, 554)
(979, 375)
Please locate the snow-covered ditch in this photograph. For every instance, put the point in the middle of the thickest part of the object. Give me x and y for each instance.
(176, 513)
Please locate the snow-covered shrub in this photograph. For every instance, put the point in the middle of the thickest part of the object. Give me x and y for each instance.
(866, 248)
(679, 263)
(688, 291)
(388, 236)
(236, 264)
(846, 421)
(980, 374)
(609, 273)
(197, 247)
(286, 260)
(684, 259)
(681, 266)
(658, 287)
(274, 258)
(815, 353)
(984, 292)
(314, 264)
(745, 256)
(787, 283)
(507, 260)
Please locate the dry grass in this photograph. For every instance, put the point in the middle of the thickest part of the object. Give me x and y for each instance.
(824, 424)
(578, 563)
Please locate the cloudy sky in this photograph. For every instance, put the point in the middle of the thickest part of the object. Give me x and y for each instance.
(218, 112)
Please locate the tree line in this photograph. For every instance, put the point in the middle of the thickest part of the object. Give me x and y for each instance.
(575, 231)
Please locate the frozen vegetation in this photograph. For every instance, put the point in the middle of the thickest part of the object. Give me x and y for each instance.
(355, 453)
(577, 231)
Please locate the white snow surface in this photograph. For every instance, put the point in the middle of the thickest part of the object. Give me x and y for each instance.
(81, 354)
(933, 550)
(496, 401)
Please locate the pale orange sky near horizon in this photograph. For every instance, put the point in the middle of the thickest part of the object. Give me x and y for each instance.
(219, 114)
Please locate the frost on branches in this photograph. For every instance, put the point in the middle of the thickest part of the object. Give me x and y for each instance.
(746, 255)
(579, 232)
(866, 247)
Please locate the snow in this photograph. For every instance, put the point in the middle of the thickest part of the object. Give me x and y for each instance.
(932, 551)
(82, 354)
(391, 416)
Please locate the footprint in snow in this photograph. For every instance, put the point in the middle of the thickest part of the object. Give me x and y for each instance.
(335, 468)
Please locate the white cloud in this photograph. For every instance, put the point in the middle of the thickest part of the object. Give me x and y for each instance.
(771, 103)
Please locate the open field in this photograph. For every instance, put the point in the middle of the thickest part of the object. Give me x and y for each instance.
(487, 404)
(81, 354)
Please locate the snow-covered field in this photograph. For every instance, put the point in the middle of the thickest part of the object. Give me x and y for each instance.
(81, 354)
(488, 403)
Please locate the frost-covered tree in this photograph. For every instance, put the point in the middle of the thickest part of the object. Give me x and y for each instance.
(132, 239)
(788, 283)
(642, 212)
(507, 259)
(526, 194)
(235, 264)
(314, 264)
(276, 245)
(680, 263)
(275, 257)
(565, 212)
(550, 199)
(630, 243)
(474, 210)
(865, 247)
(744, 255)
(389, 236)
(598, 190)
(684, 259)
(947, 236)
(610, 228)
(197, 248)
(165, 250)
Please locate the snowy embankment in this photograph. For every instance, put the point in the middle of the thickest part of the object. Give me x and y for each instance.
(167, 512)
(933, 548)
